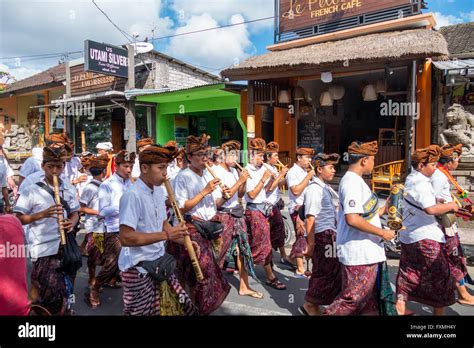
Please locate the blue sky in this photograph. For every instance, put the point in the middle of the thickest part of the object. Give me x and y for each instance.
(70, 22)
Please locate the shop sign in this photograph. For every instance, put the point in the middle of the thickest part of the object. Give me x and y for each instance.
(87, 82)
(105, 59)
(298, 14)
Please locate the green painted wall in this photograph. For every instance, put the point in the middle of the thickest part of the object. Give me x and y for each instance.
(212, 102)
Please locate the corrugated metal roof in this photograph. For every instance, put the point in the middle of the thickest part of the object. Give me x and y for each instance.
(139, 92)
(454, 64)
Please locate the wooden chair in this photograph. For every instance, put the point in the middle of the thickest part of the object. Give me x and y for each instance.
(385, 175)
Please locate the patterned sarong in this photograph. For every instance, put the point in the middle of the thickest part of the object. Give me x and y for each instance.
(456, 259)
(277, 228)
(424, 274)
(235, 237)
(211, 292)
(110, 270)
(326, 278)
(300, 245)
(142, 296)
(259, 237)
(358, 294)
(95, 247)
(53, 286)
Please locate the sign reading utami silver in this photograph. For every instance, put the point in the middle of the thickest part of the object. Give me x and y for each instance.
(105, 59)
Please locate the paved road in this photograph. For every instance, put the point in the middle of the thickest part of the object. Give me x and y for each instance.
(275, 302)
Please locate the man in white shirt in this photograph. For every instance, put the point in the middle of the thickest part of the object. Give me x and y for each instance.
(84, 175)
(235, 248)
(51, 287)
(93, 222)
(277, 225)
(441, 179)
(143, 232)
(298, 178)
(193, 189)
(110, 192)
(142, 144)
(178, 164)
(321, 226)
(359, 236)
(258, 211)
(424, 274)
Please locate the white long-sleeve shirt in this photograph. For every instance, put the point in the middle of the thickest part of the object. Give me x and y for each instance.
(110, 192)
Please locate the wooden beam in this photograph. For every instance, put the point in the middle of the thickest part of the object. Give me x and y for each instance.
(250, 98)
(46, 113)
(423, 129)
(422, 20)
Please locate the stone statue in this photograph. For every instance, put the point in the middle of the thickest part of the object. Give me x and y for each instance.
(459, 129)
(16, 140)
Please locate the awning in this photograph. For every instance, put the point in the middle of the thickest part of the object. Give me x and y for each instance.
(90, 97)
(456, 67)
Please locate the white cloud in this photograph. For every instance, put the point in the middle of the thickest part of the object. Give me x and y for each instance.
(213, 49)
(35, 27)
(29, 27)
(222, 10)
(444, 20)
(17, 73)
(469, 16)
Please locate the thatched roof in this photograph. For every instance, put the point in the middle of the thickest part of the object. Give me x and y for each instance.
(460, 38)
(388, 46)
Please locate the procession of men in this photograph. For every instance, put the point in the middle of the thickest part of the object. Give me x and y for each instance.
(166, 223)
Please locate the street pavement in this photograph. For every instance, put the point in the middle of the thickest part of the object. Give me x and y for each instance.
(275, 302)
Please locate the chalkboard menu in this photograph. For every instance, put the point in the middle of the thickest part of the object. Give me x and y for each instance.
(311, 134)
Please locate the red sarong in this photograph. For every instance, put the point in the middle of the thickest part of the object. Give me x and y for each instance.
(424, 274)
(259, 237)
(211, 292)
(358, 294)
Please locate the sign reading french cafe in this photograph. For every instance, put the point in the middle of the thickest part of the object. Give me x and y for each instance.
(296, 14)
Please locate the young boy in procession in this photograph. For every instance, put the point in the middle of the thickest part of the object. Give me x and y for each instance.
(258, 211)
(93, 222)
(85, 176)
(143, 231)
(110, 192)
(177, 164)
(142, 144)
(72, 170)
(321, 226)
(298, 178)
(193, 189)
(359, 236)
(277, 225)
(424, 272)
(107, 149)
(235, 247)
(36, 207)
(449, 161)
